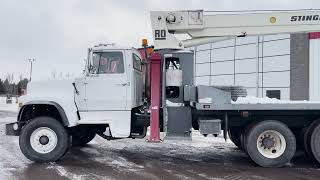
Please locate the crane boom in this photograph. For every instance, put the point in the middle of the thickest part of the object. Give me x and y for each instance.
(205, 27)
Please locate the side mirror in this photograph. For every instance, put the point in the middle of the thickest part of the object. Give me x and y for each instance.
(90, 70)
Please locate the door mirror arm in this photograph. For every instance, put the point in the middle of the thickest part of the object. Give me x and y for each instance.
(75, 88)
(92, 75)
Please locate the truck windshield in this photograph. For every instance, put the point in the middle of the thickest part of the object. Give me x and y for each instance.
(106, 63)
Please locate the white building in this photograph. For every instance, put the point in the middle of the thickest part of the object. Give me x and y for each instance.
(285, 66)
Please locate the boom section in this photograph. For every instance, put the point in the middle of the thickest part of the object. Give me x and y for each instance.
(205, 27)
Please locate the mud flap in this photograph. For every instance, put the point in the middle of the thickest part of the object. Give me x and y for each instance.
(179, 123)
(13, 129)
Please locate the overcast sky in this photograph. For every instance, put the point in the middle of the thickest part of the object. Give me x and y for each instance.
(57, 33)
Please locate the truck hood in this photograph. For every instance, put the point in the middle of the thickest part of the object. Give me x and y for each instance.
(48, 91)
(59, 93)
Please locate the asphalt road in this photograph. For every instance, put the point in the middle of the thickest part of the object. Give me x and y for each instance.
(203, 158)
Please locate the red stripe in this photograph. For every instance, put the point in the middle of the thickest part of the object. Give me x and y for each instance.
(314, 35)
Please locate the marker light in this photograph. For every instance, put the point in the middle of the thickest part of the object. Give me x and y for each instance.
(144, 42)
(273, 20)
(15, 126)
(150, 50)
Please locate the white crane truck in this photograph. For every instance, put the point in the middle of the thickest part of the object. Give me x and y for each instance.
(112, 98)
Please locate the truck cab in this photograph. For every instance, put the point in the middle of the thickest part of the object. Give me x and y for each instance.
(111, 88)
(106, 100)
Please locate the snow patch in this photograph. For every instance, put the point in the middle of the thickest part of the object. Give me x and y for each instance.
(4, 173)
(114, 161)
(8, 107)
(208, 177)
(120, 163)
(266, 100)
(4, 121)
(64, 173)
(91, 151)
(9, 160)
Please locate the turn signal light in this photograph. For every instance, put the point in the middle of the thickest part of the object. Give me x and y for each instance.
(144, 42)
(150, 50)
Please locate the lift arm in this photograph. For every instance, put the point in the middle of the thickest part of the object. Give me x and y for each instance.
(207, 27)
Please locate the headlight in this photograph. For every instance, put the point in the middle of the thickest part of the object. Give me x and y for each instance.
(15, 126)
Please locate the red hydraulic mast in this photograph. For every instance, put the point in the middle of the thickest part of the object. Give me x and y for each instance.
(153, 81)
(155, 74)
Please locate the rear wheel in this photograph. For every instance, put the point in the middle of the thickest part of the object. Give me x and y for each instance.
(44, 139)
(245, 133)
(315, 143)
(270, 144)
(307, 138)
(235, 137)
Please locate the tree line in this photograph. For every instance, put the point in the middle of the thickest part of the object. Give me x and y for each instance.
(8, 86)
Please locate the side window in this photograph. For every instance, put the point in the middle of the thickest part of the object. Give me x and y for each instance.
(107, 63)
(137, 63)
(172, 63)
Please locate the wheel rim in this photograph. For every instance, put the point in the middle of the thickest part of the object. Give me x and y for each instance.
(271, 144)
(43, 140)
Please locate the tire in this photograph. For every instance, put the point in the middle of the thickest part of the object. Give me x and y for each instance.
(244, 134)
(79, 139)
(262, 148)
(242, 138)
(315, 143)
(307, 139)
(39, 149)
(235, 137)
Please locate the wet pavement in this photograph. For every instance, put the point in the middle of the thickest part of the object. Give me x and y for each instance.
(204, 158)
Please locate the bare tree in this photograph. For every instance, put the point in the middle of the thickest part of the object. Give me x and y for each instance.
(20, 77)
(10, 77)
(68, 76)
(60, 75)
(54, 74)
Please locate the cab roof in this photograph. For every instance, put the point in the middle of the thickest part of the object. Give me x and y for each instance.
(110, 47)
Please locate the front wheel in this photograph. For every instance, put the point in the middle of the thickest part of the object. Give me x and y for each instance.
(44, 139)
(270, 144)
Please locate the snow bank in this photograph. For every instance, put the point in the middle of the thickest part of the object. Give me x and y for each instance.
(7, 114)
(8, 107)
(4, 121)
(266, 100)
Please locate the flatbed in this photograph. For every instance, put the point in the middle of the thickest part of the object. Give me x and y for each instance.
(295, 106)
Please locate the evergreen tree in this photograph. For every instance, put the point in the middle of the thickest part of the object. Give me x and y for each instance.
(6, 85)
(2, 89)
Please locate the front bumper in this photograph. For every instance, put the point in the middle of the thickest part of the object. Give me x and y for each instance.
(13, 129)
